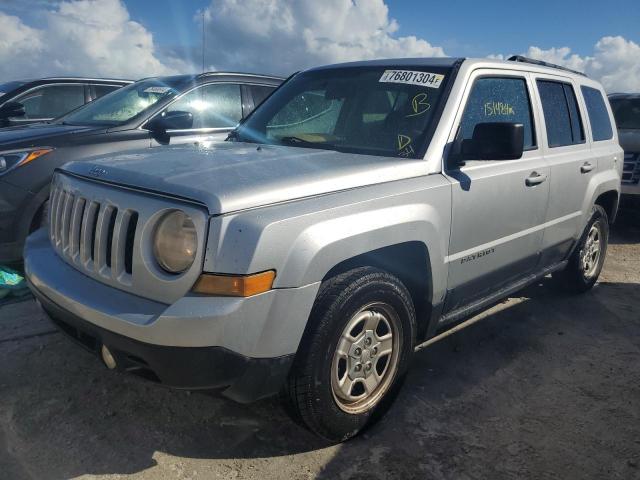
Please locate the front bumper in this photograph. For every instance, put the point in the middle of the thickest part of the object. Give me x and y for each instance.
(244, 345)
(13, 228)
(241, 378)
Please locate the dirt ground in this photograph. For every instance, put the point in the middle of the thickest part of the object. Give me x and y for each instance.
(547, 386)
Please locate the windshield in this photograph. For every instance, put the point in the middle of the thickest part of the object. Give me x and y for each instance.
(9, 86)
(627, 112)
(122, 105)
(367, 110)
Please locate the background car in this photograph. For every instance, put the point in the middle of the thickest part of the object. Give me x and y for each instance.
(149, 113)
(626, 110)
(30, 101)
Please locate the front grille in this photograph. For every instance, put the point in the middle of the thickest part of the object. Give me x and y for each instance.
(631, 169)
(95, 236)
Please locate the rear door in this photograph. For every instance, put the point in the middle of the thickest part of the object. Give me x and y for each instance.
(216, 109)
(568, 154)
(498, 206)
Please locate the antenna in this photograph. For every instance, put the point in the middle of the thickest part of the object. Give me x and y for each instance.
(203, 41)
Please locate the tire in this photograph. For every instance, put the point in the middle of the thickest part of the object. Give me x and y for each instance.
(580, 275)
(376, 310)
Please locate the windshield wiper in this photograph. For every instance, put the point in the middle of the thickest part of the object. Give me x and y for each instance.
(297, 140)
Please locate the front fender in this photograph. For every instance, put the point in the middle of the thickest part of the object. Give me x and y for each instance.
(304, 240)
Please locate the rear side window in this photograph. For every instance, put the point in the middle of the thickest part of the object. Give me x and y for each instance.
(561, 113)
(102, 90)
(498, 99)
(50, 101)
(259, 93)
(598, 114)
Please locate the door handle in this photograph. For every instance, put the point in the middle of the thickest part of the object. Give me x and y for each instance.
(535, 179)
(586, 168)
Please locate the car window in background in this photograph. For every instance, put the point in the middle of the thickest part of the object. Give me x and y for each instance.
(213, 106)
(50, 101)
(123, 105)
(102, 90)
(372, 111)
(626, 112)
(259, 93)
(598, 114)
(561, 114)
(8, 87)
(498, 99)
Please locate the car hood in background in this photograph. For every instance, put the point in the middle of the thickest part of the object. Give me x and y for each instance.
(39, 134)
(234, 176)
(629, 140)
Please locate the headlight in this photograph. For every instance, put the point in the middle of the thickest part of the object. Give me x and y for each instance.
(176, 242)
(10, 160)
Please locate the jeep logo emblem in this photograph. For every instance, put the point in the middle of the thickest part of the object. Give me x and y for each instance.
(97, 171)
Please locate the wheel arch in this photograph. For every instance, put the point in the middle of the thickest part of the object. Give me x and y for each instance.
(410, 262)
(609, 201)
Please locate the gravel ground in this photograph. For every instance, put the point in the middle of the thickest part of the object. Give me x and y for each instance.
(547, 386)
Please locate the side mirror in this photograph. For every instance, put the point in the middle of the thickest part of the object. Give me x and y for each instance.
(12, 109)
(494, 141)
(176, 120)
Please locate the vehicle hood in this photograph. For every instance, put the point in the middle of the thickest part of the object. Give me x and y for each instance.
(41, 134)
(629, 140)
(234, 176)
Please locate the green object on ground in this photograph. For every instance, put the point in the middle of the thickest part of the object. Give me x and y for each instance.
(12, 283)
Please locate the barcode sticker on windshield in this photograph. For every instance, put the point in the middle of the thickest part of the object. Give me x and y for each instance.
(157, 90)
(425, 79)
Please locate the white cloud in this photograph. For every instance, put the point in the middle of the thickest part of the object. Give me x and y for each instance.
(80, 37)
(615, 62)
(281, 36)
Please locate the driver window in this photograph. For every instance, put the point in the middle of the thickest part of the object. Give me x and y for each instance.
(495, 99)
(213, 106)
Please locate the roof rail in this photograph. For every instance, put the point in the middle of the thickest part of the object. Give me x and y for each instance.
(520, 58)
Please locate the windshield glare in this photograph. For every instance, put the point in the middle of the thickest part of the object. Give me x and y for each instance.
(367, 110)
(123, 104)
(627, 112)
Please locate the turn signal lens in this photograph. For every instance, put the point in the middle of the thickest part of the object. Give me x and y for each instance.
(235, 285)
(35, 154)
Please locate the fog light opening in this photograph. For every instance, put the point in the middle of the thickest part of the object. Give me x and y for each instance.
(107, 358)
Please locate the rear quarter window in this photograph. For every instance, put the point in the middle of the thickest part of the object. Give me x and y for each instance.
(601, 128)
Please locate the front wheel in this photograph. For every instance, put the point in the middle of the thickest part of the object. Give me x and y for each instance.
(354, 354)
(587, 260)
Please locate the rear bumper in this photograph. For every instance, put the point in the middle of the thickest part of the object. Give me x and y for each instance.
(241, 378)
(630, 201)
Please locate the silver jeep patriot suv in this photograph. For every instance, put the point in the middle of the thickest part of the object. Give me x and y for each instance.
(362, 210)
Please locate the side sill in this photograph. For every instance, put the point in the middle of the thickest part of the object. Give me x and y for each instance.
(455, 320)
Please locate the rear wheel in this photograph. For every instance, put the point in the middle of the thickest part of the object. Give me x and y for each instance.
(585, 264)
(354, 354)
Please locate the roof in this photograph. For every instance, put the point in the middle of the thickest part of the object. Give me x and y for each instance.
(398, 62)
(93, 79)
(516, 62)
(190, 78)
(630, 96)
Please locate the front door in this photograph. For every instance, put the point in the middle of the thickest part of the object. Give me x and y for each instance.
(498, 206)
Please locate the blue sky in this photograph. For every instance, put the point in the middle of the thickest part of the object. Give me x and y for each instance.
(135, 38)
(471, 28)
